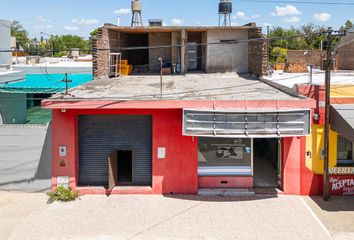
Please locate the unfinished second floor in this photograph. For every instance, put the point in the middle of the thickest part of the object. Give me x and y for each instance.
(182, 49)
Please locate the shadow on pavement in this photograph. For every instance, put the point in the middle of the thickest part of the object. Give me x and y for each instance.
(335, 203)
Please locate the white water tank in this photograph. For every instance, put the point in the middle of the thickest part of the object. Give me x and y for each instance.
(5, 42)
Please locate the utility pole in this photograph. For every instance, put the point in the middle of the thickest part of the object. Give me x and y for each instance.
(161, 65)
(52, 45)
(328, 67)
(327, 107)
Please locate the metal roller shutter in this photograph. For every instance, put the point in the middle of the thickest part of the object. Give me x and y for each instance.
(100, 135)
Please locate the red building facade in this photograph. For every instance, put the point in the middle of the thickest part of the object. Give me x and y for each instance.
(175, 168)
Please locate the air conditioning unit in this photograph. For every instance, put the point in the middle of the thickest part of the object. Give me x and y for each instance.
(155, 23)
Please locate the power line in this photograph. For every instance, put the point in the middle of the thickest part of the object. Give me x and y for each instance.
(301, 2)
(239, 41)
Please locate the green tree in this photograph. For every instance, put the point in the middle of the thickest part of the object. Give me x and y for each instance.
(306, 37)
(62, 44)
(21, 35)
(348, 25)
(94, 33)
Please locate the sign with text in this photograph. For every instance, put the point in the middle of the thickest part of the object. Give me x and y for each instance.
(341, 185)
(341, 171)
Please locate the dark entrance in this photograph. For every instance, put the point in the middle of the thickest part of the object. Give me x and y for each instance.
(125, 167)
(266, 163)
(137, 52)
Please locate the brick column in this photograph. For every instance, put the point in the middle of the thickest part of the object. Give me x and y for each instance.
(100, 53)
(257, 52)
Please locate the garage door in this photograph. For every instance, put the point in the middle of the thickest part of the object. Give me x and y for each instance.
(99, 136)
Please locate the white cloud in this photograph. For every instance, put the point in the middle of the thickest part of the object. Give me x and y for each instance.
(177, 22)
(288, 10)
(48, 26)
(41, 19)
(239, 15)
(71, 28)
(122, 11)
(243, 16)
(84, 21)
(40, 23)
(322, 17)
(291, 20)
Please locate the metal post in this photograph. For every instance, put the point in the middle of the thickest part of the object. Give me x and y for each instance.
(67, 81)
(327, 107)
(161, 64)
(66, 84)
(310, 73)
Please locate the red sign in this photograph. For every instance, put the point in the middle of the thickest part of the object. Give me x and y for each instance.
(341, 185)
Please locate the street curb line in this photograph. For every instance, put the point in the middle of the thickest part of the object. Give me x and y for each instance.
(316, 218)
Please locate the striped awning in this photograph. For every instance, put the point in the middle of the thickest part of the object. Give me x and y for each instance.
(256, 123)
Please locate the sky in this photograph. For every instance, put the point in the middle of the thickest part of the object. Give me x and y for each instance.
(82, 16)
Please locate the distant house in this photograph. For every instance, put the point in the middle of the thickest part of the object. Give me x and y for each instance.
(20, 100)
(345, 53)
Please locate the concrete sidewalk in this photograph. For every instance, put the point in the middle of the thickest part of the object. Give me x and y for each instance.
(28, 216)
(337, 215)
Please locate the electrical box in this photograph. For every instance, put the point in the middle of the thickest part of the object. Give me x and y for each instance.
(161, 153)
(62, 151)
(63, 181)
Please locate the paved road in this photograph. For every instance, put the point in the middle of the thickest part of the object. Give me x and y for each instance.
(28, 216)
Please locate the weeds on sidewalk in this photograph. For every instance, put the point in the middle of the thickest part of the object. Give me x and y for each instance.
(63, 194)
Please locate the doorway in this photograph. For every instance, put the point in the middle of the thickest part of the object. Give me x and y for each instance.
(125, 167)
(267, 163)
(196, 51)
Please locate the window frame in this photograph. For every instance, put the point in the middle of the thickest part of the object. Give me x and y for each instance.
(344, 162)
(236, 171)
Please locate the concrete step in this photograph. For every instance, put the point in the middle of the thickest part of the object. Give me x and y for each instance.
(234, 192)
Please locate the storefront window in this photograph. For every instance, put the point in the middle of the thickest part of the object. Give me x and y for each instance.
(344, 152)
(225, 156)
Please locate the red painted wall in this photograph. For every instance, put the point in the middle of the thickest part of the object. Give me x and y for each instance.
(310, 183)
(297, 178)
(226, 182)
(64, 127)
(291, 159)
(177, 173)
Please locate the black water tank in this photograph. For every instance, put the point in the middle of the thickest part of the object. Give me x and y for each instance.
(225, 7)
